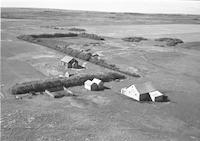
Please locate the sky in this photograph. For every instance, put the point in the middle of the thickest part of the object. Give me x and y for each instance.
(137, 6)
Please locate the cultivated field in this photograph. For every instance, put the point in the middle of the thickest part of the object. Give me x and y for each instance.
(102, 115)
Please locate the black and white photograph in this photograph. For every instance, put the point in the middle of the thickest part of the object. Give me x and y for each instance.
(100, 70)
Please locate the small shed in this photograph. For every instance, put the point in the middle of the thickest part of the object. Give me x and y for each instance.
(67, 74)
(98, 82)
(157, 96)
(60, 76)
(69, 61)
(89, 85)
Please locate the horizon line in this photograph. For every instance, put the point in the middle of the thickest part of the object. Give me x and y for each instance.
(102, 11)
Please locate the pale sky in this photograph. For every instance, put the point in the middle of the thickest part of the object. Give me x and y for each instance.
(139, 6)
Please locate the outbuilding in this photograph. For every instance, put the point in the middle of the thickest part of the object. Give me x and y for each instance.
(89, 85)
(139, 92)
(144, 92)
(99, 83)
(69, 61)
(157, 96)
(67, 74)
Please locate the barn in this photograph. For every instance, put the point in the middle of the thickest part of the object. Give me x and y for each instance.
(139, 92)
(144, 92)
(70, 62)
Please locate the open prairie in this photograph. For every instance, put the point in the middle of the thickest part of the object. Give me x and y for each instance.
(102, 115)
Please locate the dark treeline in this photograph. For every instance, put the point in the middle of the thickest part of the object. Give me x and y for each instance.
(42, 85)
(170, 41)
(86, 56)
(134, 39)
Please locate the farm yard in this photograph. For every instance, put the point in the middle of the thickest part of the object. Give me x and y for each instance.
(156, 47)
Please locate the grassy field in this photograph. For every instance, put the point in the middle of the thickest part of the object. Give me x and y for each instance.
(103, 115)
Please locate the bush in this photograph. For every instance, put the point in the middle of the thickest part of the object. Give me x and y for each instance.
(77, 29)
(170, 41)
(55, 35)
(42, 85)
(85, 56)
(68, 50)
(26, 38)
(75, 53)
(103, 63)
(91, 36)
(134, 39)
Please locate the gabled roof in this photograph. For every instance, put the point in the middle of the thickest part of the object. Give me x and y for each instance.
(67, 59)
(145, 88)
(89, 83)
(97, 81)
(155, 94)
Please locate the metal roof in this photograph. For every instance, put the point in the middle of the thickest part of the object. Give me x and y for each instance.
(97, 81)
(145, 88)
(67, 59)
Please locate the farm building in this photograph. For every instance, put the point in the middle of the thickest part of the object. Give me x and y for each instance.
(132, 92)
(98, 82)
(70, 62)
(156, 96)
(143, 92)
(89, 85)
(67, 74)
(139, 92)
(145, 88)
